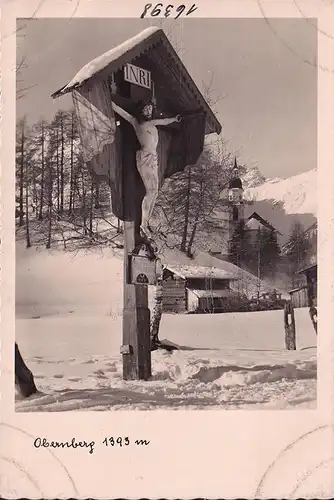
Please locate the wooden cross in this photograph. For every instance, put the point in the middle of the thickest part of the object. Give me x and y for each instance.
(136, 345)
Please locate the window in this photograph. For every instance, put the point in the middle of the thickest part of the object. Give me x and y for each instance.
(235, 214)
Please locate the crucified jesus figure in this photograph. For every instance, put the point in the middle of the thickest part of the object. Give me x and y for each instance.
(147, 157)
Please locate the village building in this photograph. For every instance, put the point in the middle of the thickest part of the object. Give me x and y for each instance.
(189, 288)
(298, 296)
(306, 294)
(255, 223)
(235, 212)
(311, 274)
(213, 283)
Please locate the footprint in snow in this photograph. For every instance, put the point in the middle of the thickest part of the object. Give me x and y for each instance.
(100, 373)
(111, 369)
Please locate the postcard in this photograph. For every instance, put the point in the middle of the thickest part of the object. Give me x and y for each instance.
(166, 198)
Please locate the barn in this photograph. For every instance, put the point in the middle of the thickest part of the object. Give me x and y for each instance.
(298, 296)
(188, 288)
(310, 272)
(306, 295)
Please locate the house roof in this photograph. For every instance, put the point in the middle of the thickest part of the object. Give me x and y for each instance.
(212, 293)
(245, 282)
(307, 268)
(294, 290)
(189, 271)
(162, 58)
(262, 221)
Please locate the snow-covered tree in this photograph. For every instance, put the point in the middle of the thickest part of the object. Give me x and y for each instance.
(189, 200)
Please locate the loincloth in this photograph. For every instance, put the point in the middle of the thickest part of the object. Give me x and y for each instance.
(147, 165)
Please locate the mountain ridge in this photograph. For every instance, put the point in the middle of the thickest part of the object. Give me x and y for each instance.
(282, 201)
(295, 192)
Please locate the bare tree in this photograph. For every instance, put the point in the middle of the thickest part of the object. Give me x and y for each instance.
(21, 88)
(20, 161)
(27, 207)
(190, 199)
(72, 180)
(50, 201)
(42, 138)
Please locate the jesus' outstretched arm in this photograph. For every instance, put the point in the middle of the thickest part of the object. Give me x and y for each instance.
(166, 121)
(124, 114)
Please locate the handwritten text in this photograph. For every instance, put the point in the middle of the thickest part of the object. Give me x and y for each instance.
(111, 442)
(161, 10)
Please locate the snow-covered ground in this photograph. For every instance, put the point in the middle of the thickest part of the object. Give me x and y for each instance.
(69, 330)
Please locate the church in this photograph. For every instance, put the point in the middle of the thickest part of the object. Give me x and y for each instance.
(236, 208)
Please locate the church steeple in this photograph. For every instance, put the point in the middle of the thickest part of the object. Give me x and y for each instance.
(236, 204)
(235, 191)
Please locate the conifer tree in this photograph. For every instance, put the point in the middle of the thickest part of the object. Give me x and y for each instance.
(297, 248)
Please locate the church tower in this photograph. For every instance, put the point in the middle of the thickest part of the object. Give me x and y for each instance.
(235, 201)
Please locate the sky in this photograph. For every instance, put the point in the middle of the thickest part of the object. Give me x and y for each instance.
(263, 73)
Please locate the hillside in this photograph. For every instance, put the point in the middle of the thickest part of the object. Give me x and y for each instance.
(297, 194)
(283, 201)
(94, 270)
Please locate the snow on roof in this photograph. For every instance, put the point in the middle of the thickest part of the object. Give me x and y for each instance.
(253, 224)
(189, 271)
(298, 289)
(243, 281)
(212, 293)
(256, 217)
(112, 55)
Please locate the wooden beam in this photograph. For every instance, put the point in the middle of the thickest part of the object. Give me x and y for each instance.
(136, 347)
(289, 327)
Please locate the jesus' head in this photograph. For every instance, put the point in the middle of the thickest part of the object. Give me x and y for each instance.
(146, 111)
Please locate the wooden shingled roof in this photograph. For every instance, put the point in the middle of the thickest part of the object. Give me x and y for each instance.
(168, 72)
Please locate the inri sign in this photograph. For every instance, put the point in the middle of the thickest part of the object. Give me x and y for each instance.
(138, 76)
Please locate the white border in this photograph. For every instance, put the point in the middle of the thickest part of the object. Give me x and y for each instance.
(227, 454)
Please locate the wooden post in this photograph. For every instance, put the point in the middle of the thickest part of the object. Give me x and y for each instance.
(136, 347)
(290, 327)
(24, 379)
(314, 317)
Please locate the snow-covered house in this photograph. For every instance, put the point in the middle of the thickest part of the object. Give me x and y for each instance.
(190, 288)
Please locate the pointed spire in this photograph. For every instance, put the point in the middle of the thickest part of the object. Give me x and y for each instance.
(235, 170)
(235, 182)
